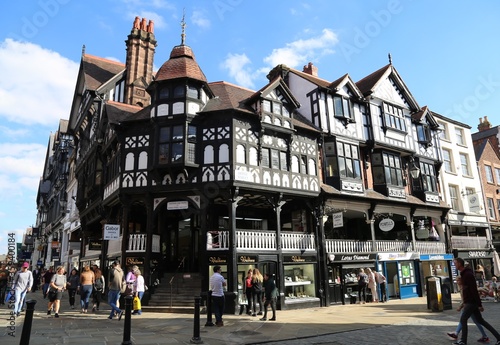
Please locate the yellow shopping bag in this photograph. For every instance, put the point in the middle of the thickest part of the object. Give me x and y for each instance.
(137, 303)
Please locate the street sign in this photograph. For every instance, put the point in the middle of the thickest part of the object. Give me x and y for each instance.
(111, 232)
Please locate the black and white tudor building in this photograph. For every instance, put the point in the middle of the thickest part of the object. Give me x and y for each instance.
(305, 178)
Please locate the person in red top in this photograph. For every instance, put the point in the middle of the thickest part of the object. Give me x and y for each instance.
(248, 290)
(471, 302)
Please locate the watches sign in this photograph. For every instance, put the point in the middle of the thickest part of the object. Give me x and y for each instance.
(111, 232)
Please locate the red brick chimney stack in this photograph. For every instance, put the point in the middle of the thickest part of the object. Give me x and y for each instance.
(484, 124)
(311, 69)
(141, 45)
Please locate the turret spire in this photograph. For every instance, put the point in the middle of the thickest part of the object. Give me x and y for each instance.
(183, 26)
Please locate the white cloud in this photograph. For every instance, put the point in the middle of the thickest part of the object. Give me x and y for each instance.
(304, 50)
(236, 65)
(21, 166)
(37, 84)
(198, 18)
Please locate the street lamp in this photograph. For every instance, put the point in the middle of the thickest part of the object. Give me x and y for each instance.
(414, 169)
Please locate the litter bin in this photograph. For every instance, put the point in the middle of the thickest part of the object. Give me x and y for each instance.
(446, 288)
(434, 297)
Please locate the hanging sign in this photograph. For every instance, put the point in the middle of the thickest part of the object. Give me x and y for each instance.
(338, 220)
(111, 232)
(386, 224)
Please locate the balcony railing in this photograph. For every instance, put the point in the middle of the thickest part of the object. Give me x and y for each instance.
(260, 240)
(469, 242)
(290, 241)
(137, 243)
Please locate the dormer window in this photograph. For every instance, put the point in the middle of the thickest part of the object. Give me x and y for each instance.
(276, 113)
(342, 107)
(424, 135)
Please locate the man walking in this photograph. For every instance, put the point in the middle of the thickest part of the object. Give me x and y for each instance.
(115, 284)
(217, 283)
(381, 280)
(471, 302)
(22, 283)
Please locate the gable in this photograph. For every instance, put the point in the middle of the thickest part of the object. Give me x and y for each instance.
(389, 91)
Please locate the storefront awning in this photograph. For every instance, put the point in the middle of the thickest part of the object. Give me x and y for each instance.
(456, 219)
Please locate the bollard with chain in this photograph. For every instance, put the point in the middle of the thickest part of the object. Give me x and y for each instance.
(196, 328)
(28, 319)
(209, 309)
(128, 322)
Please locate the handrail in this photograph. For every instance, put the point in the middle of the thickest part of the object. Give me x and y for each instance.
(172, 279)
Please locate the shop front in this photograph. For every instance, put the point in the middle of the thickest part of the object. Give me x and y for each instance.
(343, 272)
(477, 259)
(439, 265)
(402, 274)
(300, 281)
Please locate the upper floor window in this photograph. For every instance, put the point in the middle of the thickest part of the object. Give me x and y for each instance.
(423, 134)
(489, 173)
(348, 159)
(171, 144)
(428, 177)
(464, 163)
(497, 173)
(459, 134)
(164, 93)
(276, 113)
(393, 117)
(342, 107)
(387, 169)
(447, 161)
(179, 91)
(443, 131)
(119, 92)
(491, 208)
(193, 92)
(454, 198)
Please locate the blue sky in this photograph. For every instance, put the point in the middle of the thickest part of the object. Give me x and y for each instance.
(447, 53)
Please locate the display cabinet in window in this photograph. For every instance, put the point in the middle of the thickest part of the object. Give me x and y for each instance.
(299, 282)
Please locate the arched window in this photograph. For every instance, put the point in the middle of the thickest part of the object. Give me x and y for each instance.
(240, 154)
(192, 92)
(129, 161)
(143, 160)
(164, 93)
(179, 91)
(295, 164)
(253, 156)
(208, 157)
(223, 153)
(312, 167)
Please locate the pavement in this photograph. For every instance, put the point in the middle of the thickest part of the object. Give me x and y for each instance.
(396, 322)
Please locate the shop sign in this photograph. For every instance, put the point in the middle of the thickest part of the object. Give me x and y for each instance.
(386, 224)
(431, 257)
(177, 205)
(338, 219)
(351, 257)
(111, 232)
(397, 256)
(55, 244)
(478, 254)
(246, 259)
(95, 245)
(474, 203)
(298, 258)
(135, 261)
(217, 260)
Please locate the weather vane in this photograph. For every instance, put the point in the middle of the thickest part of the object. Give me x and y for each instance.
(183, 26)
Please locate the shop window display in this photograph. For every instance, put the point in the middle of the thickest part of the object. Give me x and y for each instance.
(299, 282)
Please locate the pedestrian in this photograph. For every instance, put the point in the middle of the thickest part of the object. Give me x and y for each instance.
(36, 279)
(248, 290)
(130, 279)
(471, 302)
(382, 281)
(22, 284)
(372, 284)
(270, 296)
(138, 289)
(72, 285)
(484, 337)
(257, 280)
(98, 290)
(217, 283)
(362, 283)
(115, 282)
(480, 276)
(47, 277)
(4, 280)
(55, 291)
(87, 279)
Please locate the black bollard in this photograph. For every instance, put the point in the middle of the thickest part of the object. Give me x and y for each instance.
(209, 309)
(28, 319)
(128, 323)
(196, 328)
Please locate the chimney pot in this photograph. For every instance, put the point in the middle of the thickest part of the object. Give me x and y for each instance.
(310, 69)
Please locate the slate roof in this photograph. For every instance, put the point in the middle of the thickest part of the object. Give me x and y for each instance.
(367, 84)
(119, 112)
(181, 64)
(228, 96)
(99, 70)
